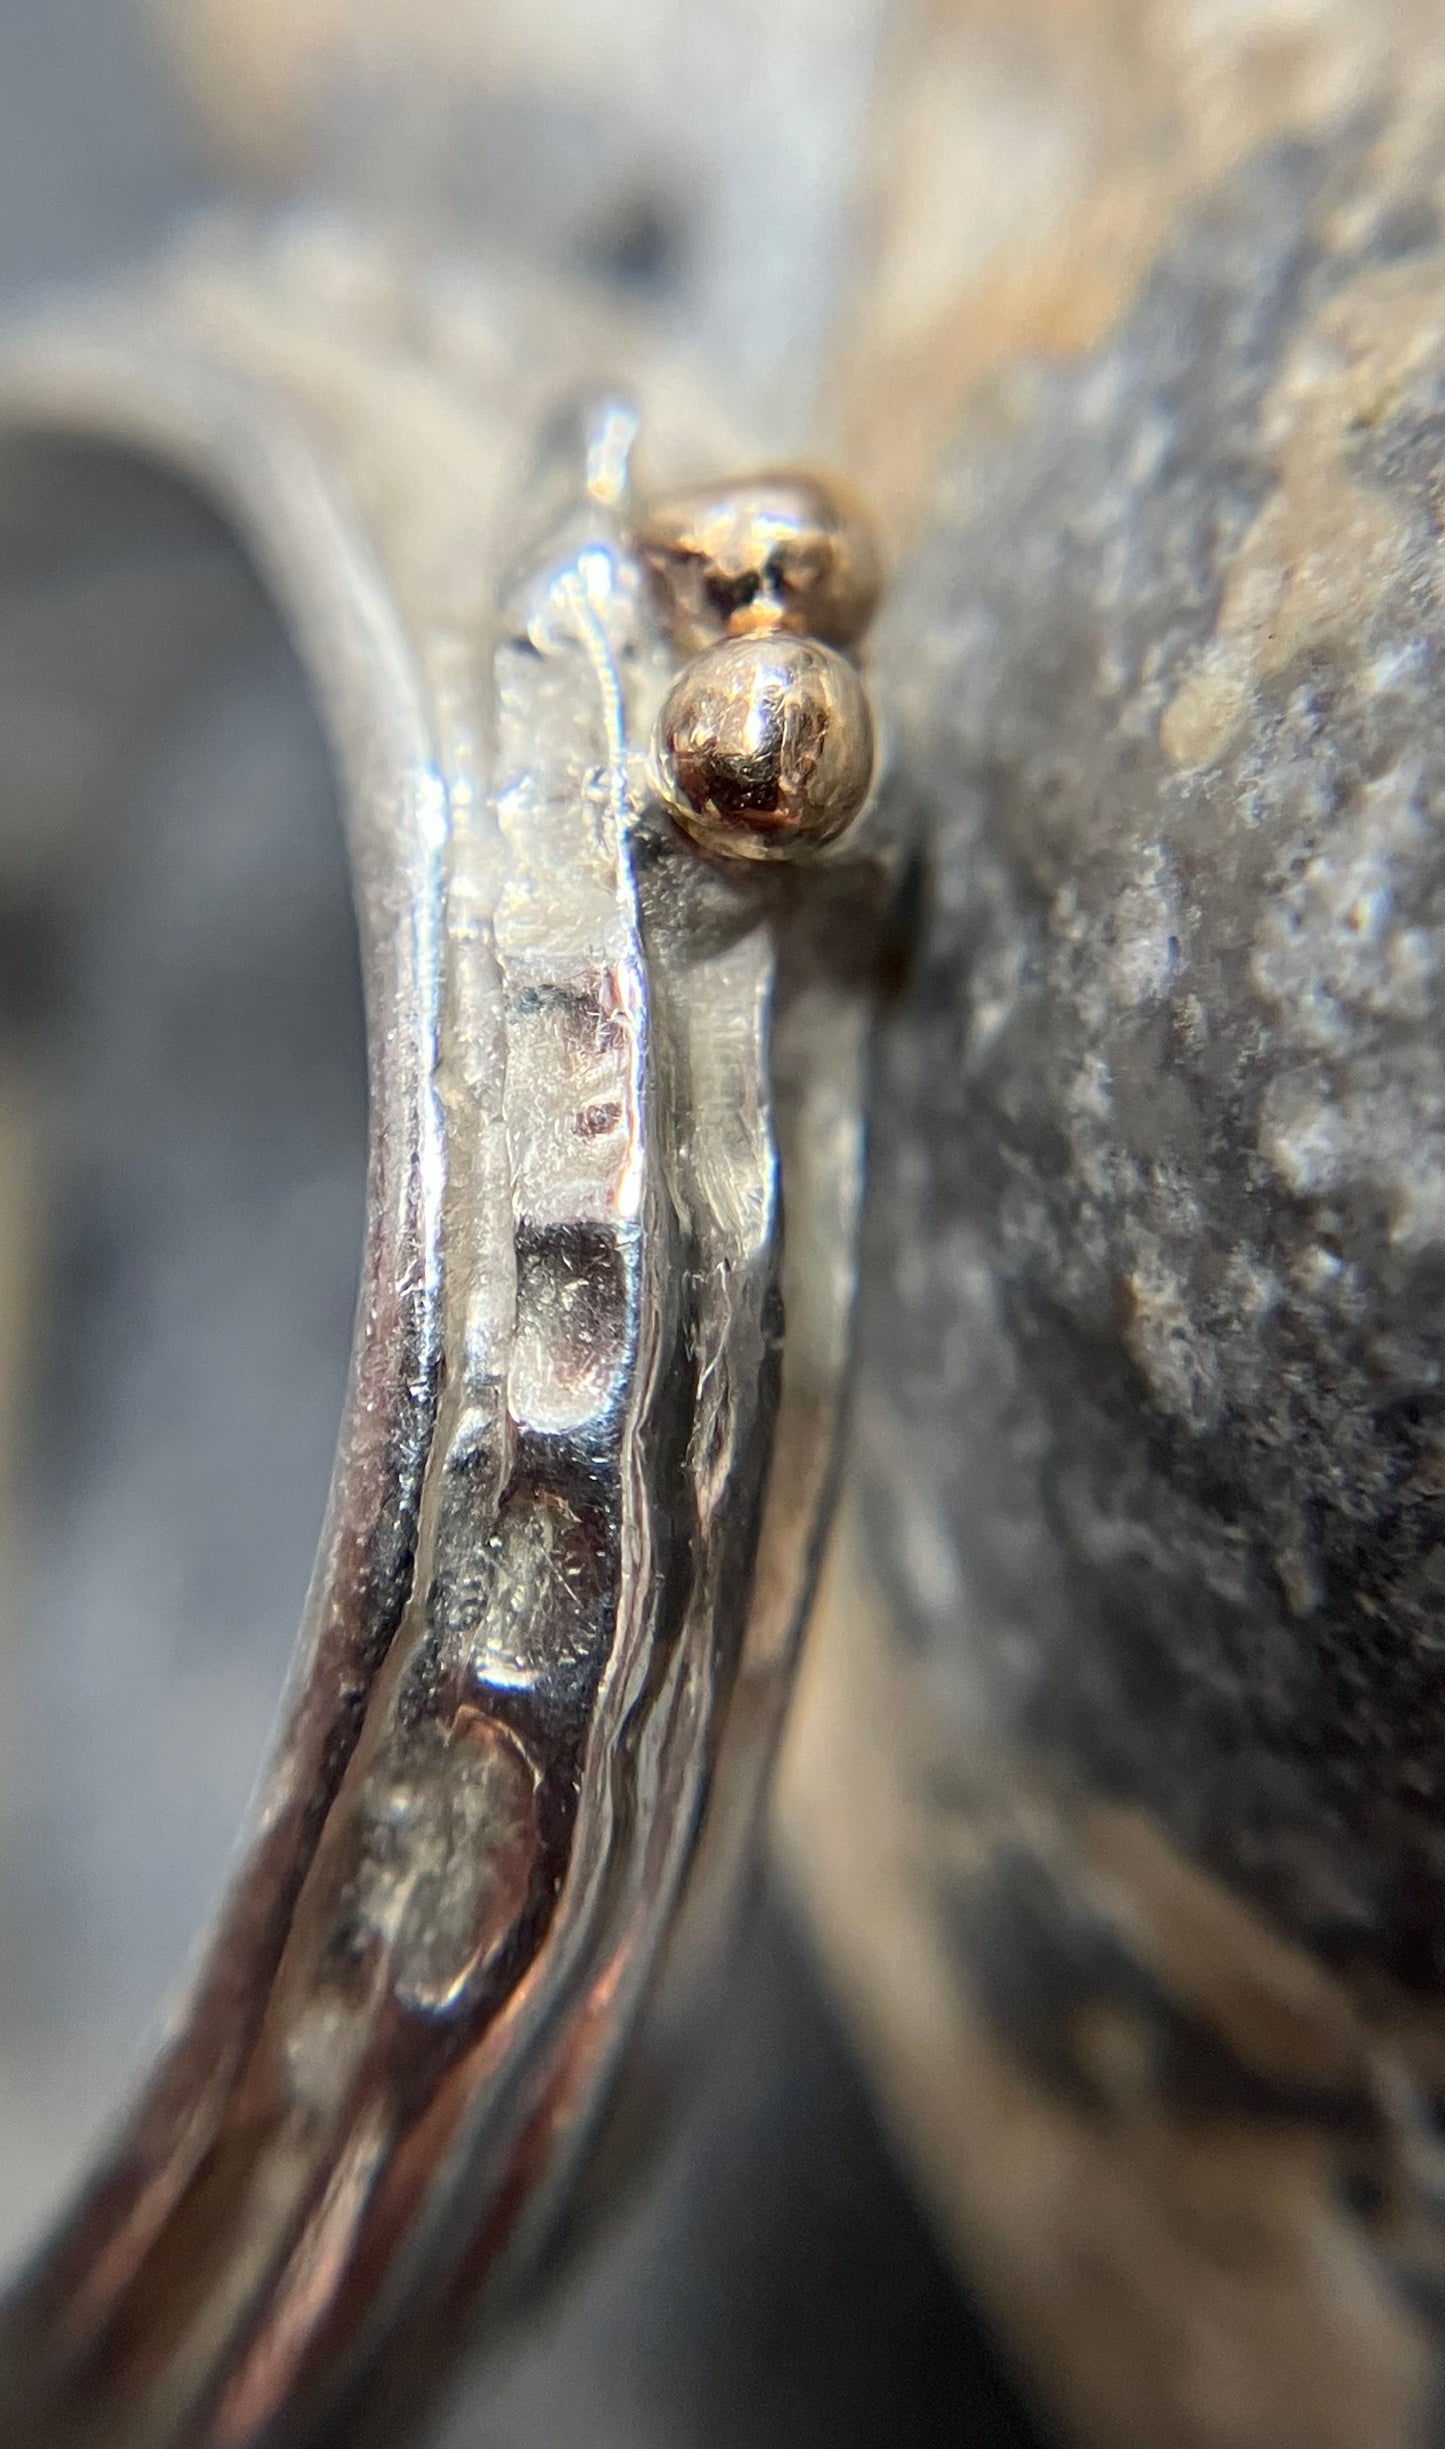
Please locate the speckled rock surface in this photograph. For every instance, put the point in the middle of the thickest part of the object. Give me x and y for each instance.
(1157, 1341)
(1146, 1788)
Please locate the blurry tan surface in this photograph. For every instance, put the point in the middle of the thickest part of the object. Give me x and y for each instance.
(1033, 156)
(263, 72)
(1022, 164)
(714, 146)
(1162, 2281)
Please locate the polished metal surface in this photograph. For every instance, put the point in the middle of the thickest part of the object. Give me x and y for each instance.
(764, 748)
(788, 551)
(585, 1457)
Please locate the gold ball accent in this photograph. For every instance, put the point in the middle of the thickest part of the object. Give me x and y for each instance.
(764, 747)
(774, 552)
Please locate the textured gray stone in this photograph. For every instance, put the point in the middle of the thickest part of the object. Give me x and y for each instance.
(1155, 1420)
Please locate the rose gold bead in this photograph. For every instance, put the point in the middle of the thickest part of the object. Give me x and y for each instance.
(764, 747)
(773, 552)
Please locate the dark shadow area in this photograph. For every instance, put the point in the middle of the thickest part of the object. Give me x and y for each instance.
(774, 2287)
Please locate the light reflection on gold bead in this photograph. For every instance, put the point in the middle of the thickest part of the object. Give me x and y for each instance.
(772, 552)
(764, 747)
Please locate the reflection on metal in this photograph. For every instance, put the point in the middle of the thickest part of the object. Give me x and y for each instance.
(586, 1451)
(764, 748)
(786, 551)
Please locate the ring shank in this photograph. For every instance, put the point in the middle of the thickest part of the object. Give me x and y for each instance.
(565, 1555)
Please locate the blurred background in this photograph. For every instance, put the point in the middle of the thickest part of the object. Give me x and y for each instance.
(181, 1142)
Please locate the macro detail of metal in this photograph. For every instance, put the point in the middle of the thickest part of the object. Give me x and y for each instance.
(585, 1460)
(786, 551)
(764, 748)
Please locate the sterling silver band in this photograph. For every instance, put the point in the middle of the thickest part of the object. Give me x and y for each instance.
(586, 1451)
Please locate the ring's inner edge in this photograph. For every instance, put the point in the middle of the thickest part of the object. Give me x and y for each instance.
(182, 1153)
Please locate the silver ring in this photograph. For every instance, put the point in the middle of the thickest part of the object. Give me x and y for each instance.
(587, 1447)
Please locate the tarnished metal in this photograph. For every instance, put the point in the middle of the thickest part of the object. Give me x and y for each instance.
(764, 748)
(586, 1448)
(782, 552)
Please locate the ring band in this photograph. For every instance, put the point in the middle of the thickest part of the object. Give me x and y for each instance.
(586, 1453)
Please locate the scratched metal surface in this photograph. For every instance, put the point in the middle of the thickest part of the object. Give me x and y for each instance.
(212, 1125)
(244, 1213)
(598, 1074)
